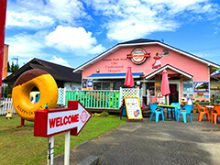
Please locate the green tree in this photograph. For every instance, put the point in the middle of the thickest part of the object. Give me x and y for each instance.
(13, 67)
(9, 68)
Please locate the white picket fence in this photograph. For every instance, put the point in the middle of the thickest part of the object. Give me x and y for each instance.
(6, 104)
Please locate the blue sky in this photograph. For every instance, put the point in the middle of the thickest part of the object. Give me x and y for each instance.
(70, 32)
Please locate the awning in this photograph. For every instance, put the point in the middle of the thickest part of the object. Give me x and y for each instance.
(113, 75)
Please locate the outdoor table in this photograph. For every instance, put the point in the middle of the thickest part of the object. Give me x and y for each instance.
(170, 107)
(210, 108)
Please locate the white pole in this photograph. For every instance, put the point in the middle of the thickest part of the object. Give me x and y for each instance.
(67, 149)
(50, 153)
(120, 95)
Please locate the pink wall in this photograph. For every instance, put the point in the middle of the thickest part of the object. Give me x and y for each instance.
(118, 62)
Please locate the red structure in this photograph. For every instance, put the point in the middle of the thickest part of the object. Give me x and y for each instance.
(50, 122)
(3, 4)
(165, 88)
(129, 81)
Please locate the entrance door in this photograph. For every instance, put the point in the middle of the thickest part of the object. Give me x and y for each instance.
(174, 93)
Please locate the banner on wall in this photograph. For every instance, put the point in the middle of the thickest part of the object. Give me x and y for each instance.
(201, 86)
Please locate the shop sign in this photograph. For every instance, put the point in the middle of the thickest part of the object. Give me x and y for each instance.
(133, 108)
(138, 56)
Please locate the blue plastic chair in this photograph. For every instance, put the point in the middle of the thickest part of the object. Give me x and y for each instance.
(186, 111)
(176, 110)
(157, 111)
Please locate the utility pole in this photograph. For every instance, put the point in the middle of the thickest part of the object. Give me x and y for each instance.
(16, 59)
(3, 6)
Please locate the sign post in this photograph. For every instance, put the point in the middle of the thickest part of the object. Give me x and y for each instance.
(50, 152)
(50, 122)
(67, 148)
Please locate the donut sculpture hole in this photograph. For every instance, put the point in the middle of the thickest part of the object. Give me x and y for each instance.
(29, 80)
(34, 95)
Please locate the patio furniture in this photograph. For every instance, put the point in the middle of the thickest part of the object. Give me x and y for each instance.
(157, 111)
(171, 113)
(186, 111)
(215, 113)
(176, 109)
(203, 111)
(169, 108)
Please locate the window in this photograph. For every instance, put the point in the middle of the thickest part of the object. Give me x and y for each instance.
(117, 85)
(188, 88)
(101, 85)
(105, 85)
(97, 86)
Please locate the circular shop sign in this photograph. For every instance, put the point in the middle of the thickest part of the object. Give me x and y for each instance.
(138, 56)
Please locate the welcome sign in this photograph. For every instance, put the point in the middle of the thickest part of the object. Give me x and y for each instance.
(55, 121)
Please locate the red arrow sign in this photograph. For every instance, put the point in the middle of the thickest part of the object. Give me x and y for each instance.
(54, 121)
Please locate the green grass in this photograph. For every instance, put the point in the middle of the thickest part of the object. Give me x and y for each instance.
(19, 146)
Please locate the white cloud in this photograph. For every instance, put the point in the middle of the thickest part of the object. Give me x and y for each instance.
(65, 10)
(60, 61)
(28, 19)
(137, 29)
(73, 39)
(39, 14)
(139, 18)
(26, 47)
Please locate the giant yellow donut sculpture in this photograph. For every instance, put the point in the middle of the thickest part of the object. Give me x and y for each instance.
(21, 92)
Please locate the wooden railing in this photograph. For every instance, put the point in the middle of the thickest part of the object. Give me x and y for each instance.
(96, 99)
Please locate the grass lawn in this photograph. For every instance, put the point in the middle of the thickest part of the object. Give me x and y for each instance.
(19, 146)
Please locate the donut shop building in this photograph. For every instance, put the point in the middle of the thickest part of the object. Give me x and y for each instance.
(189, 75)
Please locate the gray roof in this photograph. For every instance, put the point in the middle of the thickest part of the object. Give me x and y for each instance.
(59, 72)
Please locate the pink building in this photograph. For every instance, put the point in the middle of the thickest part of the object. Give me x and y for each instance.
(189, 75)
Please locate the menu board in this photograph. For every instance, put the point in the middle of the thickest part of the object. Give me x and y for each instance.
(201, 86)
(133, 108)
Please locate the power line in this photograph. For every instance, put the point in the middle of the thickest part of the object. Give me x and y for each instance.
(16, 59)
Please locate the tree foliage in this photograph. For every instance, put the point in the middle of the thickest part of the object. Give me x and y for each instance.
(13, 67)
